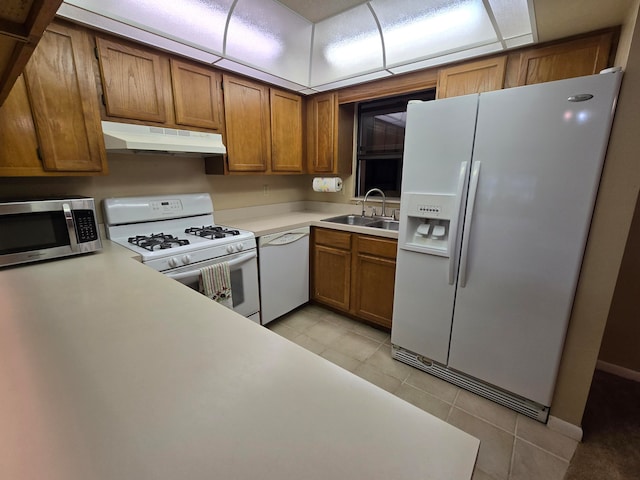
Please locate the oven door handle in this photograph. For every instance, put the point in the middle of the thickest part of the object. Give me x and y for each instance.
(232, 263)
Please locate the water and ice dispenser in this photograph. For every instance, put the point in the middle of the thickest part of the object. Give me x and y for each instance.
(429, 220)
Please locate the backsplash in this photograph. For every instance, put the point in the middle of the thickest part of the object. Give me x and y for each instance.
(155, 175)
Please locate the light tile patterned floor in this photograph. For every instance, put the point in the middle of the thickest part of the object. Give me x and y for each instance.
(512, 446)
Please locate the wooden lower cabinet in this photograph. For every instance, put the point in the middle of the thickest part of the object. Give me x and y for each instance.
(373, 279)
(354, 273)
(331, 255)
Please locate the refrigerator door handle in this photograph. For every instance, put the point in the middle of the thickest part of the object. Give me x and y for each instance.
(464, 256)
(463, 175)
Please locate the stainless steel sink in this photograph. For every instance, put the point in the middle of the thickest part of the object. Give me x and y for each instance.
(386, 224)
(351, 220)
(374, 222)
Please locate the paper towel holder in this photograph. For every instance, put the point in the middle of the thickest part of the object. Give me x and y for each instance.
(327, 184)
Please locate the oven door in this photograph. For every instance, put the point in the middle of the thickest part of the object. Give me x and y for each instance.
(244, 280)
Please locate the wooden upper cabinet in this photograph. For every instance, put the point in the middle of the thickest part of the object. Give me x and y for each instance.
(472, 77)
(22, 24)
(64, 101)
(196, 95)
(132, 82)
(323, 134)
(18, 141)
(286, 132)
(575, 58)
(246, 106)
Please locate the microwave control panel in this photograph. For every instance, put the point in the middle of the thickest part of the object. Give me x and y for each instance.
(86, 229)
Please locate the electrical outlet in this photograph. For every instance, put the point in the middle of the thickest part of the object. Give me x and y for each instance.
(265, 190)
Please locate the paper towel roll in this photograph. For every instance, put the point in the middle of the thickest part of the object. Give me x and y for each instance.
(327, 184)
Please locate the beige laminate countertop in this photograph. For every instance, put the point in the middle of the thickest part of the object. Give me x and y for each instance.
(111, 371)
(285, 221)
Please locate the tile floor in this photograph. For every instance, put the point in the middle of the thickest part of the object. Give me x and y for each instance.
(512, 446)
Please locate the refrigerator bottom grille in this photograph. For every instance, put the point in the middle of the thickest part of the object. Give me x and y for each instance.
(509, 400)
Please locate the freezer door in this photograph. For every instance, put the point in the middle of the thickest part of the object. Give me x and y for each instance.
(540, 156)
(438, 142)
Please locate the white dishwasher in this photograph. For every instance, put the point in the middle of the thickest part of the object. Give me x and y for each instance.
(283, 259)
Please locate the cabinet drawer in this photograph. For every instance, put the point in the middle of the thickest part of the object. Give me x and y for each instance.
(333, 238)
(379, 247)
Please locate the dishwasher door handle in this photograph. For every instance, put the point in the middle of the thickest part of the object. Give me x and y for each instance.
(284, 239)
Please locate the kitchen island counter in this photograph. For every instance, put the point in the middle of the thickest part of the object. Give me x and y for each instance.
(110, 370)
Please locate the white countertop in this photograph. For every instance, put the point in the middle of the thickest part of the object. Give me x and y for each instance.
(111, 371)
(284, 221)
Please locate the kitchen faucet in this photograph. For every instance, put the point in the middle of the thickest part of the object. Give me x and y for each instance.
(374, 190)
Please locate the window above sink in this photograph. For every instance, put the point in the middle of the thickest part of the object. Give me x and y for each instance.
(381, 125)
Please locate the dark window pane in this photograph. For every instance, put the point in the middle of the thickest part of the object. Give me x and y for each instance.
(381, 125)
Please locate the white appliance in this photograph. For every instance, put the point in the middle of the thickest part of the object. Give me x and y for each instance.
(497, 196)
(284, 272)
(129, 138)
(176, 235)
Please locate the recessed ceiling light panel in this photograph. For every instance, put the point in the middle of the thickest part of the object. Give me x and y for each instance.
(199, 23)
(270, 37)
(346, 45)
(418, 29)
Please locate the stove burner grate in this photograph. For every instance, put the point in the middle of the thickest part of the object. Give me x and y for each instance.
(211, 232)
(157, 241)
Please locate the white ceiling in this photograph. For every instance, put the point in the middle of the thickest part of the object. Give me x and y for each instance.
(310, 46)
(554, 18)
(316, 11)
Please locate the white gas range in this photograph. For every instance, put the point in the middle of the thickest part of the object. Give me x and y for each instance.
(177, 235)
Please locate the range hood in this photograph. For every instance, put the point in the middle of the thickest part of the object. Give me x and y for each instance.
(128, 138)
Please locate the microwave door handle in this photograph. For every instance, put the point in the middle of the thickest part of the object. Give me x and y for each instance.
(196, 272)
(71, 228)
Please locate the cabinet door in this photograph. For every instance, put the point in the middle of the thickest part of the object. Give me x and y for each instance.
(18, 141)
(323, 134)
(374, 279)
(286, 132)
(331, 283)
(64, 101)
(23, 23)
(585, 56)
(332, 276)
(246, 106)
(132, 82)
(196, 95)
(473, 77)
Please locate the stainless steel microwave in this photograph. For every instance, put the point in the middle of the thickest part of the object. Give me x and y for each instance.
(32, 230)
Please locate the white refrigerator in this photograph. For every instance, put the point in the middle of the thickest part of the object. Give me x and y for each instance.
(498, 190)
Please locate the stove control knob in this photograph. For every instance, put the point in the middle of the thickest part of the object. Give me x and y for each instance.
(173, 262)
(231, 248)
(186, 259)
(240, 247)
